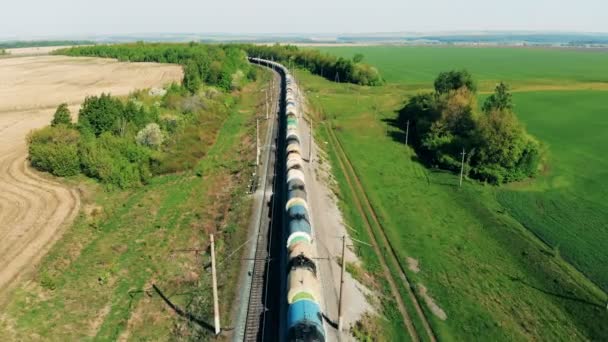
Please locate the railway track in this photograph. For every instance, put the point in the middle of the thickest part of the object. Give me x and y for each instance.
(259, 323)
(376, 232)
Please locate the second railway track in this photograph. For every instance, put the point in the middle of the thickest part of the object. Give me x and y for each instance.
(376, 232)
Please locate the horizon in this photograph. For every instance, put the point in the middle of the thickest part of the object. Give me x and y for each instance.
(310, 35)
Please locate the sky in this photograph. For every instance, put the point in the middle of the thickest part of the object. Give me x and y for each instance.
(35, 18)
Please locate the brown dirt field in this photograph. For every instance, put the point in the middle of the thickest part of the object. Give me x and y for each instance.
(34, 208)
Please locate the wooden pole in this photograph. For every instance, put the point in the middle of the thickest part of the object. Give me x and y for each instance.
(340, 301)
(462, 167)
(266, 91)
(216, 307)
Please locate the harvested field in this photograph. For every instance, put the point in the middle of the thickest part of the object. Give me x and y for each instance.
(34, 51)
(34, 208)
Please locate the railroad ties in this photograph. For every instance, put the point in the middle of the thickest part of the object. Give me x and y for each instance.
(256, 309)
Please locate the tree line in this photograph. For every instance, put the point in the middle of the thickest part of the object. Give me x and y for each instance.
(43, 43)
(223, 66)
(328, 66)
(444, 122)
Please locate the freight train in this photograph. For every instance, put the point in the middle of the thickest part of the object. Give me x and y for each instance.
(304, 321)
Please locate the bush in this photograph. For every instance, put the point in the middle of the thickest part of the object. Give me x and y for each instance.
(55, 150)
(150, 136)
(453, 80)
(115, 161)
(62, 116)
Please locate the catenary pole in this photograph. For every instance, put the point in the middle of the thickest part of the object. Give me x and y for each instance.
(310, 143)
(340, 300)
(216, 307)
(257, 141)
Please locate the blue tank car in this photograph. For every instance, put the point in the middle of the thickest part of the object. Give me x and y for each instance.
(305, 322)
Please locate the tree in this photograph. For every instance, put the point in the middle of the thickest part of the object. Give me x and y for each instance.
(192, 77)
(446, 121)
(150, 136)
(500, 100)
(99, 114)
(358, 58)
(453, 80)
(62, 116)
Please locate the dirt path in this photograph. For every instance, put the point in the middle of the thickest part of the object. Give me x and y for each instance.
(329, 229)
(34, 208)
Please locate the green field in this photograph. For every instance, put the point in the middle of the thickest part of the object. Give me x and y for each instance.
(566, 206)
(479, 249)
(522, 68)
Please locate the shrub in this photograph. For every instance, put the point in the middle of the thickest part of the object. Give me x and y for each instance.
(453, 80)
(150, 136)
(62, 116)
(116, 161)
(171, 123)
(55, 150)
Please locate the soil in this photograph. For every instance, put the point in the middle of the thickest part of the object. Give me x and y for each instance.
(430, 303)
(413, 265)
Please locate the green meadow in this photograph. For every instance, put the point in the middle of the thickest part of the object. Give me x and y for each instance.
(527, 68)
(521, 261)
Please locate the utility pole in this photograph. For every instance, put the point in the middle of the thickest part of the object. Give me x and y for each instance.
(266, 91)
(257, 141)
(407, 131)
(216, 307)
(462, 166)
(340, 301)
(310, 143)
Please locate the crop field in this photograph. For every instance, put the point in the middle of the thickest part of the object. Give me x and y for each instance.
(523, 68)
(566, 206)
(104, 280)
(522, 261)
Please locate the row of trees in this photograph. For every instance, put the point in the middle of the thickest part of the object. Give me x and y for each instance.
(328, 66)
(223, 66)
(447, 120)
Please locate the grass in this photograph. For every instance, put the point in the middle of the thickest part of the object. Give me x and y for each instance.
(417, 67)
(566, 205)
(96, 283)
(479, 254)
